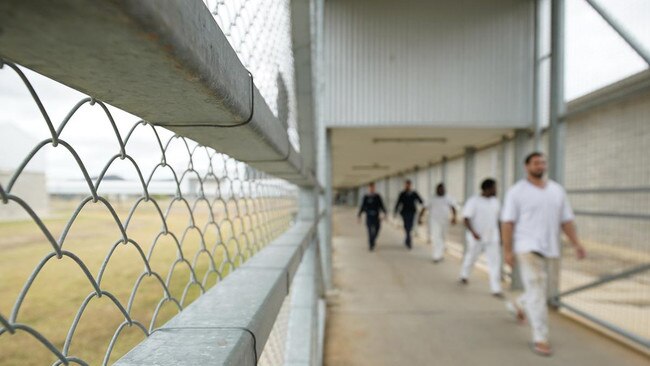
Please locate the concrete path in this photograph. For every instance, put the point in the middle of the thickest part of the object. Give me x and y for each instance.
(395, 307)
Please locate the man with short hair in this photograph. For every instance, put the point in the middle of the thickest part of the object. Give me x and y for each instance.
(439, 207)
(372, 205)
(481, 216)
(407, 207)
(534, 211)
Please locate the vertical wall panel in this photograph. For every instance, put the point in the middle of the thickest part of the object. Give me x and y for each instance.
(438, 62)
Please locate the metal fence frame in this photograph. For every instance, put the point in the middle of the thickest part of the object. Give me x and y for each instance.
(233, 319)
(231, 323)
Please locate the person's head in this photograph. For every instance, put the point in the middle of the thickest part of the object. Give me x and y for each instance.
(489, 188)
(371, 187)
(536, 164)
(407, 185)
(440, 189)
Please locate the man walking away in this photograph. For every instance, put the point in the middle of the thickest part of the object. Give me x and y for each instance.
(439, 208)
(407, 207)
(534, 211)
(372, 204)
(481, 214)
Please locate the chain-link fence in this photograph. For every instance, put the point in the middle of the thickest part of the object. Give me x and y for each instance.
(608, 182)
(260, 33)
(136, 223)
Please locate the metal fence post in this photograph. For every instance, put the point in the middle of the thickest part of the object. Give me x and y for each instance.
(469, 165)
(521, 138)
(556, 126)
(443, 170)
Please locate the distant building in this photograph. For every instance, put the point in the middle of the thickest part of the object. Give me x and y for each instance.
(15, 145)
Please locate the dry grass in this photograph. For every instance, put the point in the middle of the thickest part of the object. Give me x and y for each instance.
(61, 287)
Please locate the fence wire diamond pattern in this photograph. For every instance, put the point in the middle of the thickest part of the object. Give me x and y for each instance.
(219, 214)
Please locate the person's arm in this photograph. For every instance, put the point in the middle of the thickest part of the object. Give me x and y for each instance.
(424, 210)
(468, 225)
(381, 206)
(569, 230)
(507, 228)
(453, 213)
(398, 203)
(362, 208)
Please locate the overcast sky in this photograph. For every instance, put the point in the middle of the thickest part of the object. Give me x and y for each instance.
(595, 57)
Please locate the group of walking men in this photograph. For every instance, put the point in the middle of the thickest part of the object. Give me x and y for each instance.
(528, 226)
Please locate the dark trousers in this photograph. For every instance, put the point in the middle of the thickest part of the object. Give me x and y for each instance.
(408, 218)
(373, 224)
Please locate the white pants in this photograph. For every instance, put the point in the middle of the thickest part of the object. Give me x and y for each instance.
(534, 275)
(492, 252)
(437, 233)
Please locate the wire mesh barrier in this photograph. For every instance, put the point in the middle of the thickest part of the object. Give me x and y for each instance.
(274, 350)
(135, 224)
(610, 193)
(260, 33)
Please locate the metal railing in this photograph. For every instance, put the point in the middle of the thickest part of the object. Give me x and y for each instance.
(126, 259)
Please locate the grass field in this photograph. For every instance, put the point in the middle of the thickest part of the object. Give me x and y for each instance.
(60, 288)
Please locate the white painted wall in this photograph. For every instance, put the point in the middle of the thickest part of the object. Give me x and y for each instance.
(445, 63)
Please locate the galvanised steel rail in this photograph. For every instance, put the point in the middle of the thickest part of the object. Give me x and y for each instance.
(230, 324)
(125, 50)
(245, 209)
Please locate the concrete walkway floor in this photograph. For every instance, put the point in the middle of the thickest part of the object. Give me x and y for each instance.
(395, 307)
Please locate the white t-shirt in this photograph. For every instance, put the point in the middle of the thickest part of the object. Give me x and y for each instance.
(537, 214)
(439, 209)
(483, 214)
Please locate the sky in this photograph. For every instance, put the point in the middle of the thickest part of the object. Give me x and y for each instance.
(595, 57)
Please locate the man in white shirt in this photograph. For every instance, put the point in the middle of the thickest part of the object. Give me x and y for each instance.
(481, 216)
(534, 211)
(439, 207)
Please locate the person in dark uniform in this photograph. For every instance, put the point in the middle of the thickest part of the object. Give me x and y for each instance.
(407, 207)
(372, 205)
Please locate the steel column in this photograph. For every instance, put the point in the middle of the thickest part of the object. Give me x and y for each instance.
(557, 104)
(443, 170)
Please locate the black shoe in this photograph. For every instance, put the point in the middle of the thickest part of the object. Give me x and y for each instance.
(499, 295)
(463, 281)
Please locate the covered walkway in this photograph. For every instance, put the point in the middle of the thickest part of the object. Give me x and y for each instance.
(395, 307)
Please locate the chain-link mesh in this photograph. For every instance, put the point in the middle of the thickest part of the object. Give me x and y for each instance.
(275, 347)
(137, 226)
(608, 182)
(260, 33)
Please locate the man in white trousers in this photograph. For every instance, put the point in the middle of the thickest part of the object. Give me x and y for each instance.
(439, 207)
(481, 216)
(534, 211)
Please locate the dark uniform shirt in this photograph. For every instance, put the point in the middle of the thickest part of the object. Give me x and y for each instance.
(372, 204)
(407, 201)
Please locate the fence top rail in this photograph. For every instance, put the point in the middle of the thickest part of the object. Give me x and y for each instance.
(122, 51)
(230, 323)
